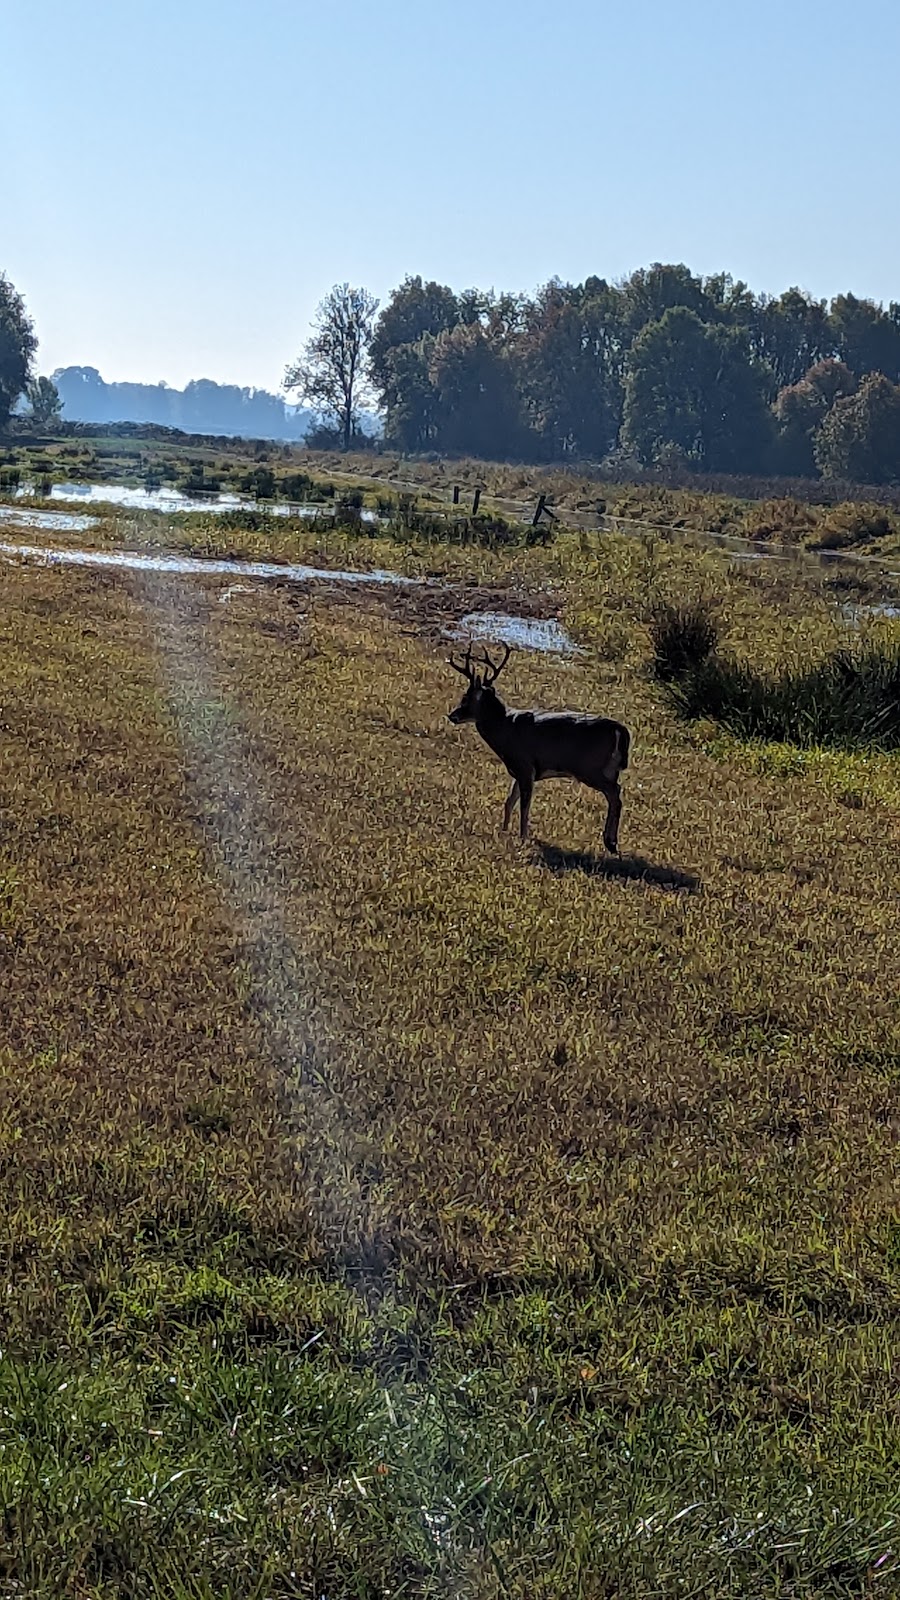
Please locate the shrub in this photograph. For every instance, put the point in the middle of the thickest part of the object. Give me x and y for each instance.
(442, 527)
(849, 525)
(296, 486)
(247, 520)
(785, 521)
(851, 698)
(349, 514)
(198, 482)
(260, 482)
(683, 638)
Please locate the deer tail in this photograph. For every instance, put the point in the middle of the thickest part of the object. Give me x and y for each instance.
(623, 746)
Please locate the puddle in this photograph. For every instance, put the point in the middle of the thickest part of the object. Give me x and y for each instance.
(879, 608)
(757, 555)
(56, 521)
(198, 566)
(525, 633)
(169, 500)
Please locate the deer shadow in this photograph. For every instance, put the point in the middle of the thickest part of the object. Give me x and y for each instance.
(633, 869)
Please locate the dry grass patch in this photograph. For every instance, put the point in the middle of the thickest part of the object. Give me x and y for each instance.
(403, 1207)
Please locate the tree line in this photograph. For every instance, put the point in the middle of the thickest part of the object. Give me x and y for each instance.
(663, 369)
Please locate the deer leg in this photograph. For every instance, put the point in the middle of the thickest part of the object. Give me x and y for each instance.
(510, 806)
(526, 787)
(613, 813)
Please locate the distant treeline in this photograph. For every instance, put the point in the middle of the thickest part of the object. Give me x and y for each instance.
(665, 370)
(203, 406)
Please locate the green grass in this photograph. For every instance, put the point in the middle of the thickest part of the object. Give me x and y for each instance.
(389, 1208)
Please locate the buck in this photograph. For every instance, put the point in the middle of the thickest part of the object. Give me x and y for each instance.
(543, 744)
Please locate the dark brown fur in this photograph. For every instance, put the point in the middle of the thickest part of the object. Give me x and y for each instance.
(546, 744)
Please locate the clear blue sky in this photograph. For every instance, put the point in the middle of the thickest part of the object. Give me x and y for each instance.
(187, 179)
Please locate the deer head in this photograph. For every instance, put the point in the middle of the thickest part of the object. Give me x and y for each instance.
(481, 673)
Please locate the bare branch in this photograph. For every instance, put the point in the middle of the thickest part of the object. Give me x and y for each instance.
(330, 372)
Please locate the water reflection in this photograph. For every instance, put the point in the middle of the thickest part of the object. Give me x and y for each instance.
(56, 521)
(197, 566)
(524, 633)
(168, 500)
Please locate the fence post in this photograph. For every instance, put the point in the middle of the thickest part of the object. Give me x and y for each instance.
(475, 502)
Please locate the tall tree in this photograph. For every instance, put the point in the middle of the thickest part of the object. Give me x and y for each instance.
(411, 404)
(570, 360)
(692, 387)
(865, 336)
(18, 346)
(399, 356)
(733, 301)
(800, 410)
(789, 334)
(331, 372)
(44, 403)
(652, 291)
(475, 383)
(411, 312)
(860, 437)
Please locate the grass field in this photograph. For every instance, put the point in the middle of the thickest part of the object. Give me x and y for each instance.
(390, 1208)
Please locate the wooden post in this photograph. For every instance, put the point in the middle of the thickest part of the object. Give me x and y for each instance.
(456, 494)
(540, 511)
(475, 502)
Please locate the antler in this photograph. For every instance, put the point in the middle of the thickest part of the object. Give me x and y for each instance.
(467, 670)
(493, 672)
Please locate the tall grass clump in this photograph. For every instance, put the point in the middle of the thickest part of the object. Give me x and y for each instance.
(409, 523)
(845, 527)
(683, 636)
(850, 699)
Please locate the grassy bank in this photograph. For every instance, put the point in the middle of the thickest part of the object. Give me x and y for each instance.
(391, 1208)
(806, 514)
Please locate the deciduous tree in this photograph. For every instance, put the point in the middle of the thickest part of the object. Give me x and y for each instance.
(570, 360)
(18, 345)
(860, 437)
(692, 387)
(331, 372)
(411, 312)
(45, 406)
(800, 410)
(865, 336)
(475, 383)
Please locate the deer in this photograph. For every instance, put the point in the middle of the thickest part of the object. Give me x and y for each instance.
(543, 744)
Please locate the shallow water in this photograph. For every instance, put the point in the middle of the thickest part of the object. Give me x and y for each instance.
(878, 608)
(525, 633)
(56, 521)
(169, 500)
(198, 566)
